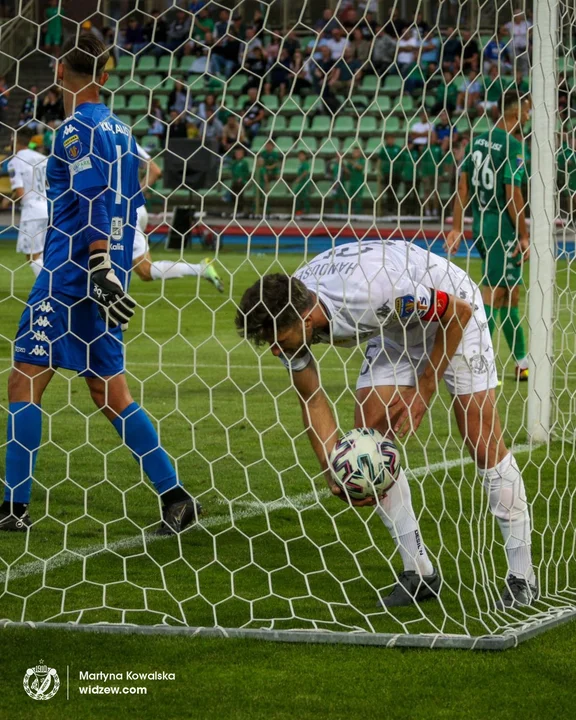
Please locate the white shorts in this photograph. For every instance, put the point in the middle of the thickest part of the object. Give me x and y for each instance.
(31, 236)
(472, 368)
(140, 238)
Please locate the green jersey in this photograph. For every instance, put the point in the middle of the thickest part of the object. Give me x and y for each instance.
(54, 18)
(240, 170)
(430, 161)
(303, 173)
(447, 95)
(567, 167)
(356, 171)
(269, 159)
(388, 155)
(495, 159)
(494, 88)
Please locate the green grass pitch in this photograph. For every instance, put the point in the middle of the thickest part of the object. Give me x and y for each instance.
(273, 550)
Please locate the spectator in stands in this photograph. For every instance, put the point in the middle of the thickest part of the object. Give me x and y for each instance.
(271, 164)
(451, 51)
(52, 109)
(207, 107)
(178, 31)
(156, 30)
(178, 98)
(291, 42)
(369, 26)
(523, 86)
(278, 79)
(421, 131)
(238, 29)
(356, 179)
(134, 36)
(256, 66)
(395, 26)
(349, 18)
(196, 6)
(253, 114)
(519, 30)
(493, 91)
(156, 119)
(337, 43)
(430, 57)
(232, 134)
(203, 24)
(421, 25)
(252, 41)
(428, 171)
(224, 55)
(384, 52)
(272, 49)
(469, 91)
(4, 96)
(326, 23)
(470, 52)
(28, 111)
(446, 94)
(300, 68)
(240, 178)
(53, 36)
(211, 131)
(321, 68)
(336, 174)
(361, 47)
(407, 49)
(221, 27)
(346, 72)
(390, 170)
(446, 133)
(302, 184)
(497, 51)
(177, 127)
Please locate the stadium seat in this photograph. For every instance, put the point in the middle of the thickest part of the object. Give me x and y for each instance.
(384, 103)
(132, 86)
(113, 83)
(125, 64)
(138, 103)
(297, 124)
(344, 125)
(270, 102)
(117, 103)
(319, 167)
(359, 102)
(329, 148)
(391, 124)
(165, 63)
(141, 127)
(291, 105)
(350, 142)
(307, 143)
(152, 143)
(393, 83)
(277, 124)
(321, 125)
(373, 145)
(146, 63)
(463, 125)
(323, 188)
(152, 81)
(284, 143)
(235, 84)
(370, 85)
(291, 165)
(313, 102)
(407, 103)
(126, 119)
(367, 125)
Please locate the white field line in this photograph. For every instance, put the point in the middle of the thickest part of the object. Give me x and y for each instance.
(248, 509)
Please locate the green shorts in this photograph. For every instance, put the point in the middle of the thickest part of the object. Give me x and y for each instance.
(53, 38)
(499, 268)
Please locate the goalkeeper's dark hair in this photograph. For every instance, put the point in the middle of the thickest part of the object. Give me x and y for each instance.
(85, 55)
(273, 304)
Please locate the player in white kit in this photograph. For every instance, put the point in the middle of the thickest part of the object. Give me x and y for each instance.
(27, 173)
(142, 263)
(423, 320)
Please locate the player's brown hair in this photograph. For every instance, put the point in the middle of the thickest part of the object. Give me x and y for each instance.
(24, 135)
(272, 304)
(85, 55)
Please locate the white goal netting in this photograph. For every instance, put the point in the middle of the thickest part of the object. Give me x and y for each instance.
(273, 133)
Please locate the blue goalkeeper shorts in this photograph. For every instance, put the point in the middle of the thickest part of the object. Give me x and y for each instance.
(60, 331)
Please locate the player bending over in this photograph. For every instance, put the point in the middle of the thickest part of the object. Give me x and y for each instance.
(79, 301)
(492, 177)
(142, 263)
(423, 321)
(27, 173)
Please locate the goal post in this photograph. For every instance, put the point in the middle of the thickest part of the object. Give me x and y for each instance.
(278, 133)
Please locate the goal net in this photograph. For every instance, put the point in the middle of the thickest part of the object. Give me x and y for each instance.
(283, 130)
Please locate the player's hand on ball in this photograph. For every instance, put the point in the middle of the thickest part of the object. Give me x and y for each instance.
(453, 240)
(115, 306)
(371, 500)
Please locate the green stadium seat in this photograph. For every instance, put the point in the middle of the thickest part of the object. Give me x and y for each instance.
(485, 39)
(307, 143)
(277, 124)
(391, 125)
(291, 165)
(125, 64)
(241, 100)
(383, 103)
(407, 103)
(368, 125)
(370, 84)
(344, 125)
(113, 83)
(291, 105)
(463, 125)
(350, 142)
(284, 143)
(138, 103)
(152, 143)
(312, 102)
(117, 103)
(166, 63)
(323, 188)
(280, 191)
(126, 119)
(393, 83)
(141, 127)
(359, 102)
(152, 81)
(321, 125)
(236, 83)
(373, 145)
(297, 124)
(132, 86)
(146, 63)
(259, 142)
(329, 148)
(270, 102)
(319, 167)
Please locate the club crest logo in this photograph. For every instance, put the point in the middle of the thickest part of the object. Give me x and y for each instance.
(41, 682)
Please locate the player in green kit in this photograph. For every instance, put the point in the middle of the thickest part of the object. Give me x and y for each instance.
(271, 164)
(491, 179)
(355, 170)
(390, 169)
(337, 192)
(303, 186)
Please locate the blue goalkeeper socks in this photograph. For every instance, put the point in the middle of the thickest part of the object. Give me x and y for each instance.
(24, 438)
(137, 431)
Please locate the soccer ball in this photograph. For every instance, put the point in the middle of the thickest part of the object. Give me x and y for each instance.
(364, 463)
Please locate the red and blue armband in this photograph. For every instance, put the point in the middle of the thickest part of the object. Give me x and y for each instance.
(438, 305)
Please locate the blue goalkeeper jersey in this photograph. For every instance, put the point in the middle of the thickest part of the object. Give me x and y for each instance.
(94, 155)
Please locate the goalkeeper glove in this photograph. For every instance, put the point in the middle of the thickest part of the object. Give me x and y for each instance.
(115, 306)
(297, 362)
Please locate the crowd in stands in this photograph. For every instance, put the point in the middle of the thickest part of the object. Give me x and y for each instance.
(449, 74)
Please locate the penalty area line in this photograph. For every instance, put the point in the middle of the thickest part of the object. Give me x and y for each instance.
(243, 510)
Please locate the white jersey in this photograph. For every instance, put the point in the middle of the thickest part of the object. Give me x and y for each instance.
(384, 288)
(27, 170)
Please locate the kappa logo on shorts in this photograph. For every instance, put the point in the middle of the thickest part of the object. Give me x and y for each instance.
(40, 336)
(42, 321)
(37, 350)
(44, 307)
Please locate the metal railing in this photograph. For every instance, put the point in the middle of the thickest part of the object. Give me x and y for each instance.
(17, 35)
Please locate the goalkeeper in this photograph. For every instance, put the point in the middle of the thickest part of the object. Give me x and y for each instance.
(79, 302)
(492, 175)
(420, 316)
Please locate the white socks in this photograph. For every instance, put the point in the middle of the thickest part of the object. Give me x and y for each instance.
(395, 510)
(167, 270)
(507, 496)
(37, 265)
